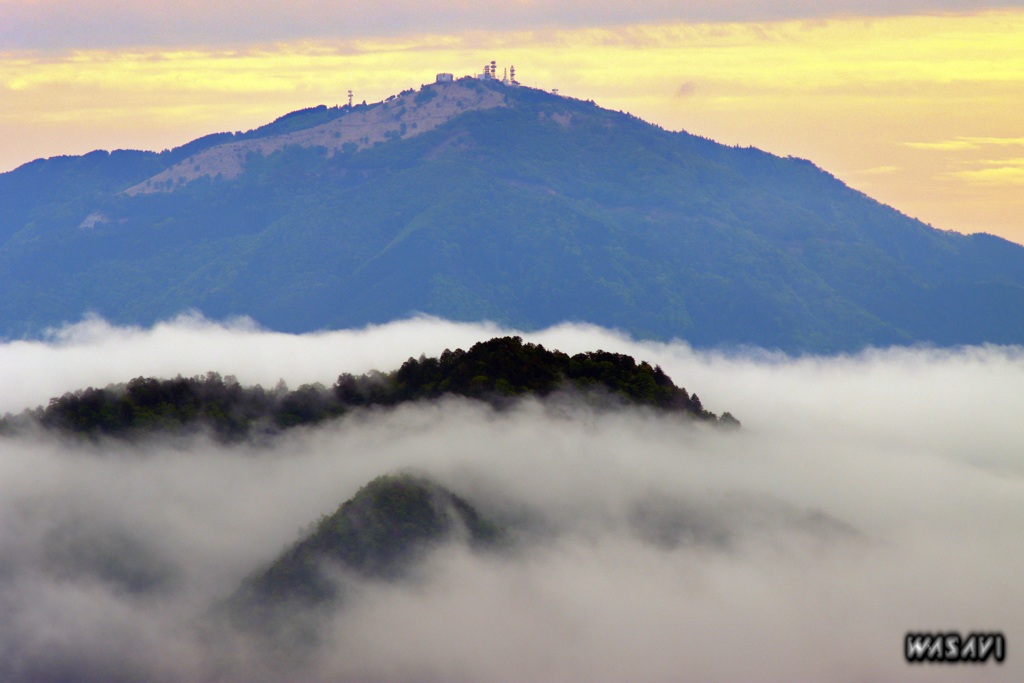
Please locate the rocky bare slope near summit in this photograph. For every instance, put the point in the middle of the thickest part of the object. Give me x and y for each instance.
(400, 117)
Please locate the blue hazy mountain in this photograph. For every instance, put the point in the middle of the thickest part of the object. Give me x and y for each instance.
(476, 200)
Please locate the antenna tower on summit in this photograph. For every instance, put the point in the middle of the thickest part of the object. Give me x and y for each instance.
(349, 99)
(490, 73)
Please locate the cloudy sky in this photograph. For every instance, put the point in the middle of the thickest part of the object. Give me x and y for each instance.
(915, 102)
(865, 496)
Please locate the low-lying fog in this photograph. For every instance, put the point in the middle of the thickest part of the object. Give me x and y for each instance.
(866, 496)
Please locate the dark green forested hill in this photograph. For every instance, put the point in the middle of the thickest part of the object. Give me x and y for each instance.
(375, 534)
(499, 371)
(378, 534)
(541, 210)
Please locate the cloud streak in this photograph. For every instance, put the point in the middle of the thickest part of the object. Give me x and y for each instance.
(965, 142)
(866, 496)
(995, 172)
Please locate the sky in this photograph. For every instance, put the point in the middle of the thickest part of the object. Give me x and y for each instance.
(914, 102)
(865, 496)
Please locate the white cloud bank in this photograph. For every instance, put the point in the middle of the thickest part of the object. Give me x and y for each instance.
(865, 496)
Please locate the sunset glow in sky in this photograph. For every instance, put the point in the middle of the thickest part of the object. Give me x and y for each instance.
(916, 103)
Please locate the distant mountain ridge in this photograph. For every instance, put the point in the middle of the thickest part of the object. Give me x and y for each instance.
(475, 200)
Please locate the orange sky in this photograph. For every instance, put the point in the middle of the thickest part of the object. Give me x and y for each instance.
(920, 111)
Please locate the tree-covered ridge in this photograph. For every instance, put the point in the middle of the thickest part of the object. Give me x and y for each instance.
(497, 371)
(508, 367)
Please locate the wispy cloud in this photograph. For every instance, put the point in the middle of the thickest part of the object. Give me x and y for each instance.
(994, 172)
(878, 170)
(966, 142)
(980, 172)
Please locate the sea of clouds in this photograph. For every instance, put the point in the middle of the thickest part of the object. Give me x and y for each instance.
(866, 496)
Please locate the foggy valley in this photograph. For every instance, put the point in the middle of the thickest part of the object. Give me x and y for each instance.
(865, 496)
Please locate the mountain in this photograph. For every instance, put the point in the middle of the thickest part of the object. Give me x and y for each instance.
(476, 200)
